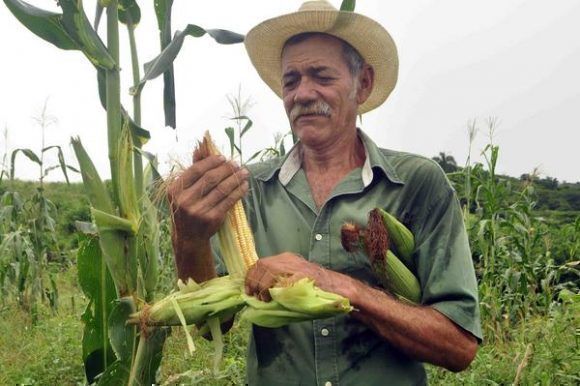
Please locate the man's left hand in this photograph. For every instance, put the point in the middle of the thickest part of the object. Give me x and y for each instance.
(288, 266)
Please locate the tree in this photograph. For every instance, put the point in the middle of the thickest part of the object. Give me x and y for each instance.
(447, 162)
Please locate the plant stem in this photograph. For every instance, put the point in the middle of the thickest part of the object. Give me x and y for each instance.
(148, 355)
(137, 158)
(113, 84)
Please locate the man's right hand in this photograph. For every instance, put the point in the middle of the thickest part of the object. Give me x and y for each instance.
(200, 199)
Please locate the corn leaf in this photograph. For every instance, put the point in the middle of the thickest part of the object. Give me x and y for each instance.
(44, 24)
(146, 365)
(151, 174)
(121, 335)
(28, 153)
(127, 194)
(115, 374)
(148, 247)
(61, 161)
(163, 13)
(230, 133)
(139, 135)
(348, 5)
(94, 186)
(77, 25)
(217, 341)
(102, 86)
(97, 285)
(165, 59)
(109, 222)
(129, 12)
(98, 15)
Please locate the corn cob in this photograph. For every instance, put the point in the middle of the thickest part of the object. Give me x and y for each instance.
(402, 237)
(236, 239)
(294, 302)
(216, 300)
(197, 303)
(389, 269)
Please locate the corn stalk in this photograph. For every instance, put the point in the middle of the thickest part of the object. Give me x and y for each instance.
(125, 219)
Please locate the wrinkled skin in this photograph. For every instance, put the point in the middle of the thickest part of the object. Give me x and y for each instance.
(200, 198)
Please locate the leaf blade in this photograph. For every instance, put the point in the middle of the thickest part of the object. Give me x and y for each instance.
(44, 24)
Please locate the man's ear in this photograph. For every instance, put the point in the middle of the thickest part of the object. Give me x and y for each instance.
(366, 83)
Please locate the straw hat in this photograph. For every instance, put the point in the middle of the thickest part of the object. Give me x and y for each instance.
(265, 41)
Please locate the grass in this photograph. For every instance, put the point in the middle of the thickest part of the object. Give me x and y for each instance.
(49, 352)
(178, 367)
(542, 350)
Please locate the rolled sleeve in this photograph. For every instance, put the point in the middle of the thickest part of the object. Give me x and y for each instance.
(444, 263)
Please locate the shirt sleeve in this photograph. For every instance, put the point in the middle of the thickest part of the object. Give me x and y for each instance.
(444, 263)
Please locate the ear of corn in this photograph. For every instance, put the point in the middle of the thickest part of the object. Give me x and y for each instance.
(294, 302)
(128, 204)
(376, 240)
(219, 299)
(211, 299)
(400, 235)
(397, 278)
(113, 230)
(236, 239)
(303, 296)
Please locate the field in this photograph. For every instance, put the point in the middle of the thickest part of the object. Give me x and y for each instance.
(78, 261)
(543, 350)
(531, 327)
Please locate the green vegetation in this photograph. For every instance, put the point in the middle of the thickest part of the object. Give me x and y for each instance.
(66, 297)
(526, 261)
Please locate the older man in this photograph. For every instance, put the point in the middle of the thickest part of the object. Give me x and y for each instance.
(329, 66)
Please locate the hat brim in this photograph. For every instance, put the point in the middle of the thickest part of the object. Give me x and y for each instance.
(265, 42)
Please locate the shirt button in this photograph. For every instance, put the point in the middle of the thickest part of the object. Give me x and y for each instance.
(325, 332)
(318, 237)
(328, 383)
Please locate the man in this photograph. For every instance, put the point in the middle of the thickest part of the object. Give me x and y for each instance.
(329, 66)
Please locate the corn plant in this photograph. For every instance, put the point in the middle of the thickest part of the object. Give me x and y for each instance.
(240, 107)
(518, 260)
(28, 242)
(4, 166)
(125, 219)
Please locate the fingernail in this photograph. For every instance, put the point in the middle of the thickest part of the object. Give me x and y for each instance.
(221, 158)
(245, 172)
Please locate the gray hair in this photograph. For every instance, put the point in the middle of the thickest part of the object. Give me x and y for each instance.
(351, 56)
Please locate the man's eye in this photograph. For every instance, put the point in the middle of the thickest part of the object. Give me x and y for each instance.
(325, 79)
(289, 83)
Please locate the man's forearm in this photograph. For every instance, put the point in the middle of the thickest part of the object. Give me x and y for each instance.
(421, 332)
(193, 259)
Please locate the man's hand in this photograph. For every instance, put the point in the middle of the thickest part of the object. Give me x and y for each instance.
(422, 332)
(200, 199)
(289, 266)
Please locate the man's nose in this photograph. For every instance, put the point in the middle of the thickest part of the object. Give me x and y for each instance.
(305, 92)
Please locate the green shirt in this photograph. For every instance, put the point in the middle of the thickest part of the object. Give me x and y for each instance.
(284, 217)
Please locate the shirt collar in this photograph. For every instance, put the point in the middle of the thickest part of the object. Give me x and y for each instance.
(289, 165)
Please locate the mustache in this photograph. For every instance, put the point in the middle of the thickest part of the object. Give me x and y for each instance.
(317, 107)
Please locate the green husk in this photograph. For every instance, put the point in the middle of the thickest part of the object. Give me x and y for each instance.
(197, 303)
(402, 238)
(296, 302)
(377, 241)
(397, 278)
(222, 297)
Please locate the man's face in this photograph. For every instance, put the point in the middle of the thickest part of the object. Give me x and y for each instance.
(318, 91)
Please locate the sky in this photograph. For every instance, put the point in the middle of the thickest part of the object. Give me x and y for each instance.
(461, 62)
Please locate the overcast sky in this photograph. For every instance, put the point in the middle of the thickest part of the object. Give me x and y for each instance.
(460, 60)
